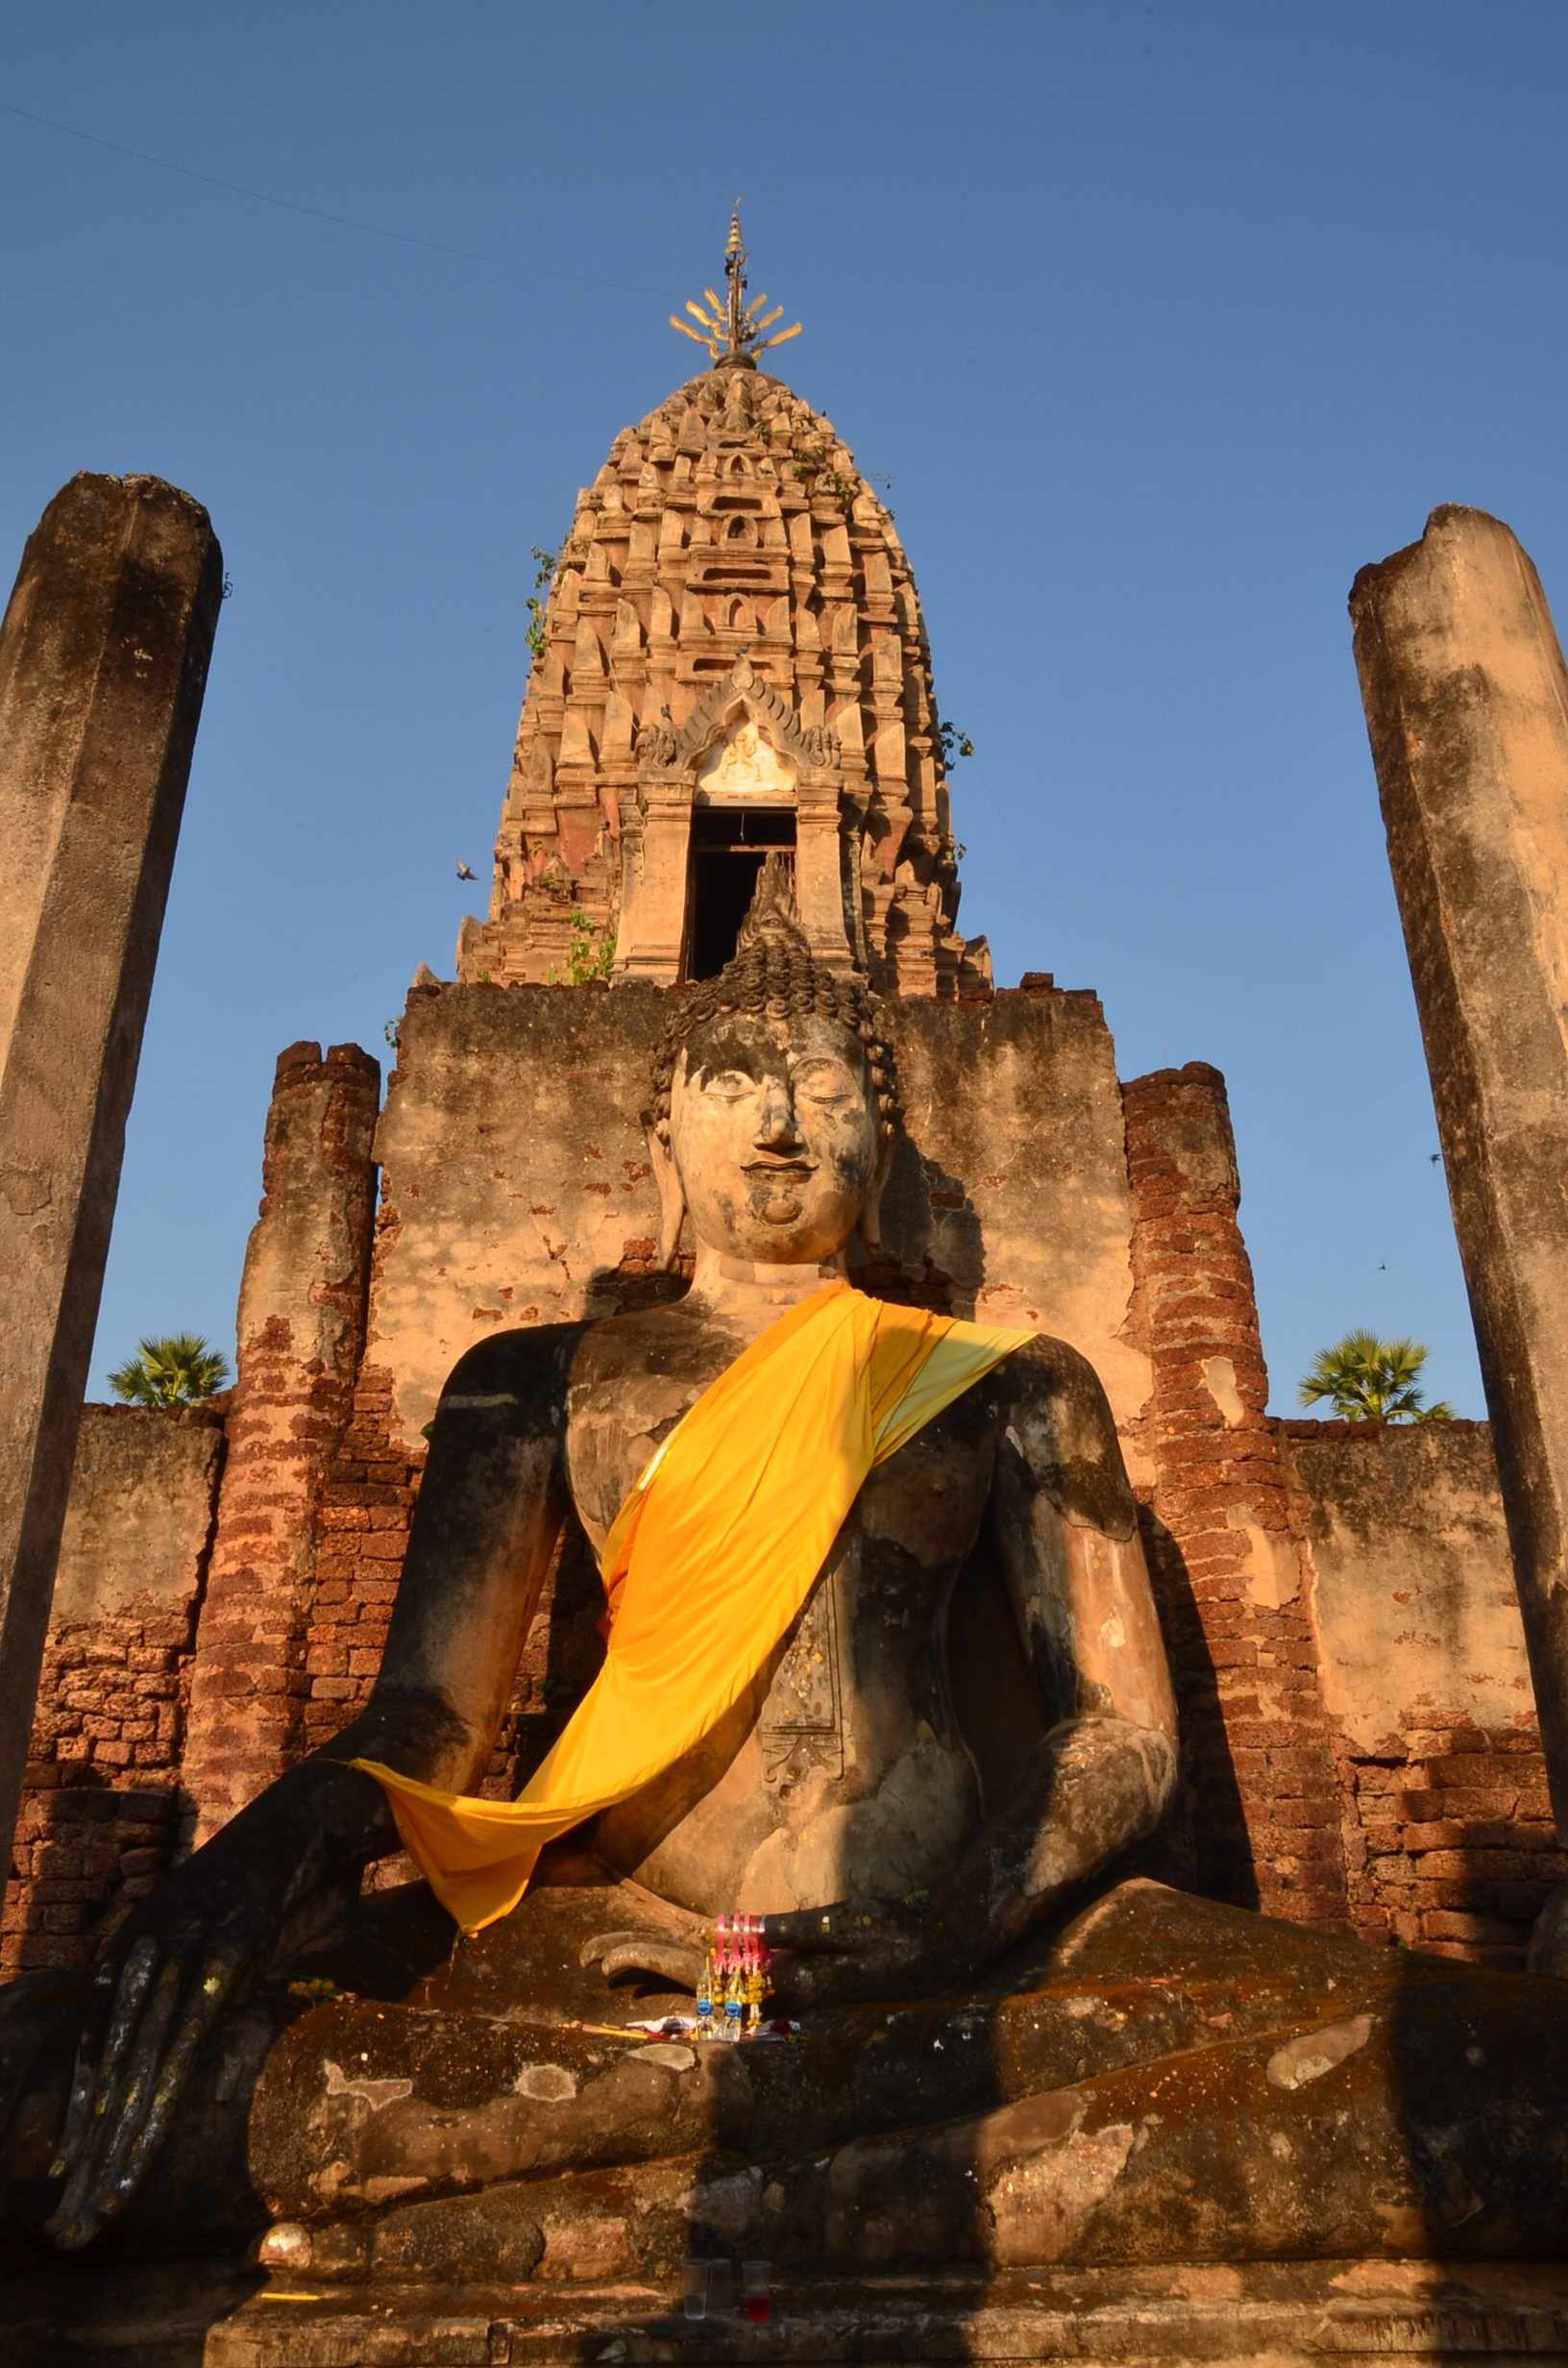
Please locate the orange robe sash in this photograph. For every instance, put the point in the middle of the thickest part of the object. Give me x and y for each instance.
(706, 1567)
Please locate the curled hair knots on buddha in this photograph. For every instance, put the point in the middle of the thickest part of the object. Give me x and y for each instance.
(774, 975)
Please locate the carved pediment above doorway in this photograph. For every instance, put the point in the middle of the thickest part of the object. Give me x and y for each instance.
(778, 745)
(745, 767)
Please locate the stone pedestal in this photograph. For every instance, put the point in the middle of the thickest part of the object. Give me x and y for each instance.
(103, 663)
(1397, 2313)
(1467, 708)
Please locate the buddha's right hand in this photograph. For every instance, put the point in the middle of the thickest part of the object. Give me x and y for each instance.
(258, 1893)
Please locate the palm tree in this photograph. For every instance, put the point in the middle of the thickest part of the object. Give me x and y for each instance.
(1372, 1380)
(176, 1371)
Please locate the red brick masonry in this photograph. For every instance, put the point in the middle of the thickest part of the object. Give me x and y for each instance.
(1225, 1534)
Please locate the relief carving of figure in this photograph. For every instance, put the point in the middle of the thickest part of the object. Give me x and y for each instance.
(746, 765)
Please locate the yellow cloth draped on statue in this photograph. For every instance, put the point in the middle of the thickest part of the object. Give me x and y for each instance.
(706, 1567)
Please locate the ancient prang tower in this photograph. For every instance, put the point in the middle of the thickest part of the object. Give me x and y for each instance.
(731, 659)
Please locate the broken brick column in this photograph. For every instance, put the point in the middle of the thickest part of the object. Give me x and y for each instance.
(1226, 1533)
(301, 1335)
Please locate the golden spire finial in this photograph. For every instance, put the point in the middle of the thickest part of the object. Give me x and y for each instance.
(728, 327)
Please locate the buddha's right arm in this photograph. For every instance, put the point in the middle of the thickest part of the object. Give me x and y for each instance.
(490, 1509)
(274, 1881)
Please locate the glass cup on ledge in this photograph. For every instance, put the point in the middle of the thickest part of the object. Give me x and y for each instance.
(757, 2284)
(695, 2289)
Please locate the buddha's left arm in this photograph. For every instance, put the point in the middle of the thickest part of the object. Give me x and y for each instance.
(1064, 1524)
(1064, 1527)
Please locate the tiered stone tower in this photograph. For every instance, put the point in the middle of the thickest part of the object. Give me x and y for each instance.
(732, 657)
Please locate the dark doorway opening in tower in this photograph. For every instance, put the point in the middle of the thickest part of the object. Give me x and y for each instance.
(729, 843)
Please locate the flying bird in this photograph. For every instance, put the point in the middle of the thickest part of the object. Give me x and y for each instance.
(464, 872)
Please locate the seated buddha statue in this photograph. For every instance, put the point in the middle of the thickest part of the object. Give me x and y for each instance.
(788, 1486)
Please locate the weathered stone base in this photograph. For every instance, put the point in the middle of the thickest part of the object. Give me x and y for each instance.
(1398, 2312)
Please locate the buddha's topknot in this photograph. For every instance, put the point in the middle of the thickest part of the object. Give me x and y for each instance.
(773, 975)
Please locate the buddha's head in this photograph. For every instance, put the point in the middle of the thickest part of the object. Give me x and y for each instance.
(774, 1101)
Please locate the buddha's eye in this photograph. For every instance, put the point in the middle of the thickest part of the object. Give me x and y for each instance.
(729, 1085)
(827, 1082)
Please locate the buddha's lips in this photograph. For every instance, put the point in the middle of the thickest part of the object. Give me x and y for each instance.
(780, 1167)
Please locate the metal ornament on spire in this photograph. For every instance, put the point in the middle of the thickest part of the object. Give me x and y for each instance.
(728, 326)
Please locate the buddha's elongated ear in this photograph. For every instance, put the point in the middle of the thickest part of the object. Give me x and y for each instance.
(672, 1196)
(869, 1223)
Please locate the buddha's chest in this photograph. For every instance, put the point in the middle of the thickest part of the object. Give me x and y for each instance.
(842, 1766)
(922, 1507)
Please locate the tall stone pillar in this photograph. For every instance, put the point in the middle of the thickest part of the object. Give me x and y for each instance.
(103, 663)
(1227, 1538)
(301, 1334)
(1467, 708)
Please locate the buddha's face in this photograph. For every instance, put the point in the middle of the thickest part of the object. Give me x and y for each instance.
(773, 1131)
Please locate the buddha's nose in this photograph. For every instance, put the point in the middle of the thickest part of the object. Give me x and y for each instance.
(777, 1130)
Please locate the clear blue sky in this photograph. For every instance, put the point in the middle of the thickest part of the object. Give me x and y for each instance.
(1163, 319)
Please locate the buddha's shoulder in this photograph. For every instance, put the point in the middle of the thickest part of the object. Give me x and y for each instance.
(542, 1371)
(683, 1344)
(1048, 1381)
(1060, 1431)
(523, 1373)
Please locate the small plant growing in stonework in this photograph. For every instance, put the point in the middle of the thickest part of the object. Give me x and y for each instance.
(179, 1369)
(589, 952)
(546, 564)
(814, 468)
(954, 743)
(1366, 1379)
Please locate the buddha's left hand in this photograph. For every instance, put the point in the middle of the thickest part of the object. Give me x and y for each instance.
(862, 1948)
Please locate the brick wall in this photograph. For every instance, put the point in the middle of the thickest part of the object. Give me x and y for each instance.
(1448, 1839)
(1449, 1842)
(367, 1504)
(83, 1853)
(102, 1791)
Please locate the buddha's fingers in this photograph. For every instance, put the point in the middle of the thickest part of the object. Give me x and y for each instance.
(203, 2006)
(119, 2108)
(857, 1949)
(631, 1952)
(676, 1964)
(592, 1951)
(89, 2058)
(102, 2045)
(850, 1925)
